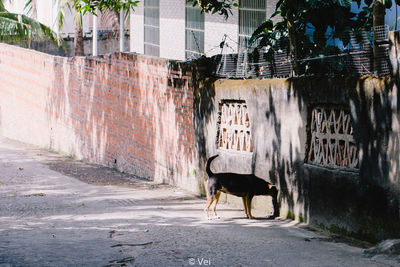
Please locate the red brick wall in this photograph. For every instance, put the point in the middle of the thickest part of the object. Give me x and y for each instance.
(127, 111)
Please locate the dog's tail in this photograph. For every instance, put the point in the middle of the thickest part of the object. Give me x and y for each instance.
(208, 169)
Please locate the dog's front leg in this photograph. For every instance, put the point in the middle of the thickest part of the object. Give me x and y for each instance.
(276, 206)
(245, 206)
(249, 199)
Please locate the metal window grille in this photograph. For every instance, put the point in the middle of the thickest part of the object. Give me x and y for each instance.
(234, 133)
(152, 27)
(251, 14)
(194, 32)
(332, 142)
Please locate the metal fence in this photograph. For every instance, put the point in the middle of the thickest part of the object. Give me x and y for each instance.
(356, 59)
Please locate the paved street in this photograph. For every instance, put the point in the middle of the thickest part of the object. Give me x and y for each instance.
(48, 218)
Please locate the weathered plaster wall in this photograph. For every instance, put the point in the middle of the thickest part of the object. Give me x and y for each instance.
(364, 202)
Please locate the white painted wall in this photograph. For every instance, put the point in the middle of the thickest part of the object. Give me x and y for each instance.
(15, 6)
(137, 29)
(172, 29)
(47, 12)
(69, 26)
(215, 27)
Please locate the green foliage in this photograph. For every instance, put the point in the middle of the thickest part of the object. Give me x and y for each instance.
(92, 6)
(2, 8)
(20, 29)
(223, 8)
(311, 29)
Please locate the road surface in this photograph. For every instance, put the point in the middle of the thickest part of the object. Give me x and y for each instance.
(55, 211)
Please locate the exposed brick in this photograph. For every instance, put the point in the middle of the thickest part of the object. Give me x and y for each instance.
(124, 110)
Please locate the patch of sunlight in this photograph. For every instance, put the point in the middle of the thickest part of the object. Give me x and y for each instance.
(109, 197)
(58, 217)
(290, 223)
(163, 224)
(34, 192)
(105, 228)
(99, 216)
(20, 227)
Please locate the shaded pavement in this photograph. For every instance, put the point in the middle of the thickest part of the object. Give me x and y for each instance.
(56, 211)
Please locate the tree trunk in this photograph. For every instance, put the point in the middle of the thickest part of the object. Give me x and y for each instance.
(78, 40)
(378, 20)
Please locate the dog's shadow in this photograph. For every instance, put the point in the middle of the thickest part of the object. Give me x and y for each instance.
(268, 218)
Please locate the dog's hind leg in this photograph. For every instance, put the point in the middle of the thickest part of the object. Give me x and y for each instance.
(210, 200)
(217, 195)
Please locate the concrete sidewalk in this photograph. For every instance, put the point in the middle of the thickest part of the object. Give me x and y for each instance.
(51, 219)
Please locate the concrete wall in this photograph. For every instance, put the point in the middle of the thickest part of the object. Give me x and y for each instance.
(125, 111)
(364, 202)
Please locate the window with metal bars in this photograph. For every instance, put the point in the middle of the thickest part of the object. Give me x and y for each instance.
(251, 14)
(194, 32)
(152, 27)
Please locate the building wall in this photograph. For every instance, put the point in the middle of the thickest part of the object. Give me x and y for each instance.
(137, 29)
(172, 30)
(14, 6)
(364, 202)
(215, 29)
(47, 12)
(125, 111)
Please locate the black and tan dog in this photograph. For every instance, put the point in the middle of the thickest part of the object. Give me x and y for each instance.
(242, 185)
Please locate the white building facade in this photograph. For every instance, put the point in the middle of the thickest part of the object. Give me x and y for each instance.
(175, 30)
